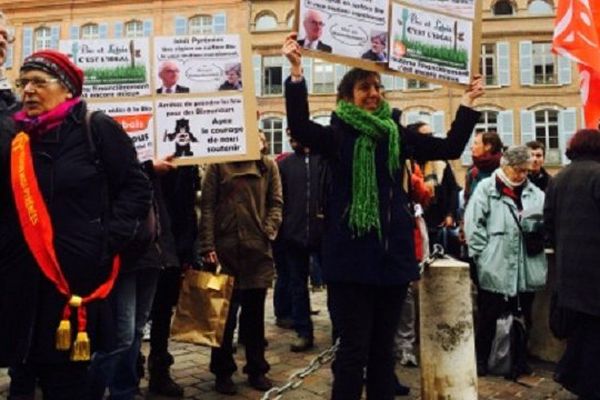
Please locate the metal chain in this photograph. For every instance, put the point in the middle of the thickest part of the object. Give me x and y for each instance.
(297, 378)
(437, 253)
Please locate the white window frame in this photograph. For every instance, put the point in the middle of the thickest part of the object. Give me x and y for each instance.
(90, 31)
(552, 153)
(274, 136)
(42, 38)
(488, 59)
(266, 21)
(268, 64)
(323, 79)
(201, 24)
(545, 56)
(134, 29)
(417, 84)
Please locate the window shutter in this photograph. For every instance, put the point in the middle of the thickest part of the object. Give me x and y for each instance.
(526, 62)
(74, 32)
(148, 27)
(565, 74)
(180, 25)
(103, 31)
(340, 71)
(503, 60)
(388, 82)
(438, 124)
(506, 127)
(466, 157)
(412, 117)
(27, 42)
(527, 126)
(258, 78)
(285, 69)
(307, 66)
(567, 125)
(119, 29)
(8, 59)
(219, 23)
(54, 36)
(399, 83)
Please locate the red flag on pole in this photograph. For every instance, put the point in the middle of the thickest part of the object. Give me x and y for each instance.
(577, 36)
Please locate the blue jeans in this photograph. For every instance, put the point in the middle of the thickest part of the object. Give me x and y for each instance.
(297, 260)
(131, 301)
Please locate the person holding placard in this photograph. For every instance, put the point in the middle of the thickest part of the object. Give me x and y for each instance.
(368, 249)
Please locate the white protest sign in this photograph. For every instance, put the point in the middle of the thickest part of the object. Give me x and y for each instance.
(112, 67)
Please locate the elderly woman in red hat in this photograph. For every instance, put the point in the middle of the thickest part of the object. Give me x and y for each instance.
(65, 212)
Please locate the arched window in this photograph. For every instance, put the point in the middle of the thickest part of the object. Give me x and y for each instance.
(42, 38)
(488, 121)
(265, 22)
(273, 130)
(90, 31)
(134, 29)
(546, 132)
(322, 119)
(200, 24)
(290, 20)
(503, 7)
(540, 7)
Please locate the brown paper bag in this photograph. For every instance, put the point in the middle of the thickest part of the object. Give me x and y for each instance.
(202, 309)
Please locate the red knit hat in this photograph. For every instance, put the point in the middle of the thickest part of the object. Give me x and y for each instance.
(59, 65)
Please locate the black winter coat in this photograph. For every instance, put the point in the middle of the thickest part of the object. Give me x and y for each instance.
(367, 259)
(85, 241)
(300, 175)
(572, 222)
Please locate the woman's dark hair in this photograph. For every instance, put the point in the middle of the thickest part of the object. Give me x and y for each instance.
(492, 139)
(585, 143)
(346, 86)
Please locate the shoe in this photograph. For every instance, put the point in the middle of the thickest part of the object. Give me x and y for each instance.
(260, 382)
(408, 359)
(400, 389)
(285, 323)
(225, 385)
(162, 384)
(301, 344)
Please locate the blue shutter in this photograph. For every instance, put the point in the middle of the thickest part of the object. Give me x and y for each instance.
(506, 127)
(399, 83)
(54, 36)
(467, 157)
(257, 67)
(307, 67)
(181, 25)
(74, 32)
(340, 71)
(527, 126)
(567, 125)
(438, 124)
(503, 59)
(119, 30)
(103, 31)
(285, 69)
(388, 82)
(27, 42)
(8, 59)
(565, 74)
(147, 28)
(220, 23)
(412, 117)
(526, 62)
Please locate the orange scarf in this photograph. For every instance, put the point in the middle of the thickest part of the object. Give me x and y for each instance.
(39, 236)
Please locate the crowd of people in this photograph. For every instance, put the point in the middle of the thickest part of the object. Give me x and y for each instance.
(93, 243)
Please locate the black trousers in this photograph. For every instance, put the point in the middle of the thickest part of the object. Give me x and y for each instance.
(489, 307)
(366, 318)
(252, 324)
(68, 381)
(166, 297)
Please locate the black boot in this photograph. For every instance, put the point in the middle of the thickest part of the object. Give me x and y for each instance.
(160, 377)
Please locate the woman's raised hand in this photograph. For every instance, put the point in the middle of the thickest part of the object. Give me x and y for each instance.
(291, 50)
(474, 91)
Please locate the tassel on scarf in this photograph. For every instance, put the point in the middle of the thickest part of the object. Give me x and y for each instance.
(81, 348)
(63, 335)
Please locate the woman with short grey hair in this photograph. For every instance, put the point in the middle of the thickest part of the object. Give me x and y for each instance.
(504, 209)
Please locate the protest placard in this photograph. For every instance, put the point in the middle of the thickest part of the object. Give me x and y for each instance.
(204, 129)
(431, 40)
(197, 64)
(137, 120)
(112, 67)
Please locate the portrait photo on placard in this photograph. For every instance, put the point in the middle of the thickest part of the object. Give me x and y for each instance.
(197, 64)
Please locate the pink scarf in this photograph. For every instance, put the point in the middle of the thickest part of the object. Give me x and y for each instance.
(46, 122)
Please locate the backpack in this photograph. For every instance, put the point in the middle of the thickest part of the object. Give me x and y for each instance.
(148, 229)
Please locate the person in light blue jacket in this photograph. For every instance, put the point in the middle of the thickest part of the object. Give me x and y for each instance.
(503, 209)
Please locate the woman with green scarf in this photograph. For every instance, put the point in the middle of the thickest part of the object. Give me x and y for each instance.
(367, 250)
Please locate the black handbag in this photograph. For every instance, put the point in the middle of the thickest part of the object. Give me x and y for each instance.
(534, 240)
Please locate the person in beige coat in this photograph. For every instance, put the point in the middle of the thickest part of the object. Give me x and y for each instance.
(241, 208)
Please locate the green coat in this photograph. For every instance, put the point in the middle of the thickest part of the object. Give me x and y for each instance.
(241, 206)
(496, 244)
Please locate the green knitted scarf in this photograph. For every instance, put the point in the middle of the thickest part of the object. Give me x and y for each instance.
(373, 127)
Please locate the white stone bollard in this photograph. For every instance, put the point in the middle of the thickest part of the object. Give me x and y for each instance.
(447, 340)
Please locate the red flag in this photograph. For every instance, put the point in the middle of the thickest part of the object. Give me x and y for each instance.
(577, 36)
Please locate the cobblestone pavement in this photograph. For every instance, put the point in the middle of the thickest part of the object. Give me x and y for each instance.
(191, 370)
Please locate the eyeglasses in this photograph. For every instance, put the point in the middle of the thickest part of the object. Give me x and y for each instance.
(37, 83)
(319, 24)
